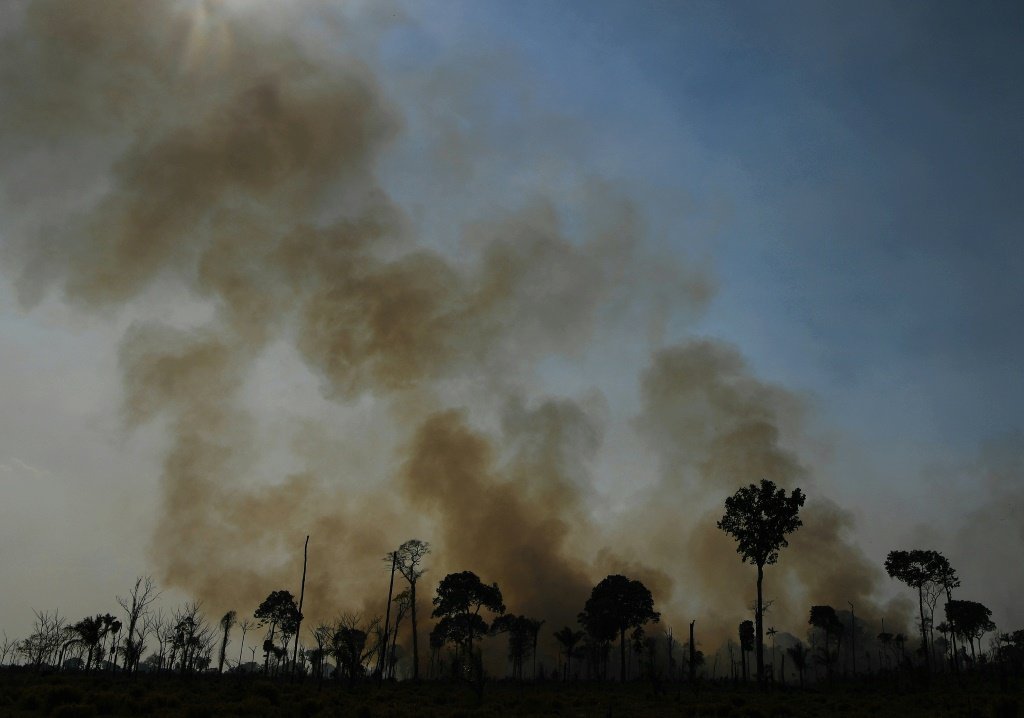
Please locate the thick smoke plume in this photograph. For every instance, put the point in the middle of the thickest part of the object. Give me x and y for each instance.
(710, 422)
(215, 155)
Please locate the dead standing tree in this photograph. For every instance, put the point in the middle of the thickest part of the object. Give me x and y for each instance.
(227, 621)
(409, 561)
(382, 654)
(302, 596)
(136, 606)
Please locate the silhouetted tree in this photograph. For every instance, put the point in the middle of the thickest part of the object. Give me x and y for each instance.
(916, 569)
(323, 634)
(49, 633)
(391, 558)
(760, 517)
(798, 654)
(535, 627)
(7, 649)
(944, 575)
(616, 605)
(746, 644)
(226, 623)
(244, 627)
(403, 603)
(136, 604)
(521, 633)
(825, 619)
(971, 620)
(279, 610)
(568, 639)
(90, 633)
(410, 556)
(111, 628)
(192, 639)
(348, 645)
(460, 597)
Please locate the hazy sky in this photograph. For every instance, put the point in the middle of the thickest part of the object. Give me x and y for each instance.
(833, 191)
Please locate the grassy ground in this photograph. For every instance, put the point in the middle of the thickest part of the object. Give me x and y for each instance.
(25, 693)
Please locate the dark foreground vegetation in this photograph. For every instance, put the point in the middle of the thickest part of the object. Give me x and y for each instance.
(25, 692)
(616, 665)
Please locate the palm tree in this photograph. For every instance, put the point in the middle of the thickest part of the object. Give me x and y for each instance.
(771, 634)
(90, 632)
(798, 654)
(568, 639)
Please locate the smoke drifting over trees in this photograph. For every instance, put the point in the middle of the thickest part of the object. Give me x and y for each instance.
(214, 158)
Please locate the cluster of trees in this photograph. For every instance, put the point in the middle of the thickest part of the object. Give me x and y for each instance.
(466, 610)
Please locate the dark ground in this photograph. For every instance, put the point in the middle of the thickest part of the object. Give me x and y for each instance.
(27, 693)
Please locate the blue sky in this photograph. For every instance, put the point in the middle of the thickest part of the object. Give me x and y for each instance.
(856, 172)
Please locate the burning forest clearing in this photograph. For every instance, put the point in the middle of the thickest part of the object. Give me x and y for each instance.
(320, 295)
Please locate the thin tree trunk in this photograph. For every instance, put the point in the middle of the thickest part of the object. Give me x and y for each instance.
(391, 654)
(622, 655)
(302, 595)
(387, 622)
(760, 626)
(266, 653)
(924, 630)
(952, 635)
(415, 639)
(693, 656)
(853, 639)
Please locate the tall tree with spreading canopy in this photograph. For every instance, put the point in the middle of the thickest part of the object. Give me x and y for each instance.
(760, 517)
(522, 632)
(616, 605)
(280, 611)
(916, 569)
(459, 599)
(971, 620)
(409, 562)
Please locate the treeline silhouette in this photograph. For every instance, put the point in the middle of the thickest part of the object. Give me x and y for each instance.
(470, 616)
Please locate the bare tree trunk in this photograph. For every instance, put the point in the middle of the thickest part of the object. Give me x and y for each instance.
(924, 630)
(693, 656)
(382, 654)
(302, 595)
(415, 639)
(853, 638)
(760, 629)
(622, 655)
(828, 659)
(952, 635)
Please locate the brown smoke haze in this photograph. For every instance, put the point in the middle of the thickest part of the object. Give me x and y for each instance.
(228, 161)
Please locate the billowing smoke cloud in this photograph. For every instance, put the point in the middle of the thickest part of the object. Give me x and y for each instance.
(226, 160)
(715, 427)
(983, 541)
(515, 528)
